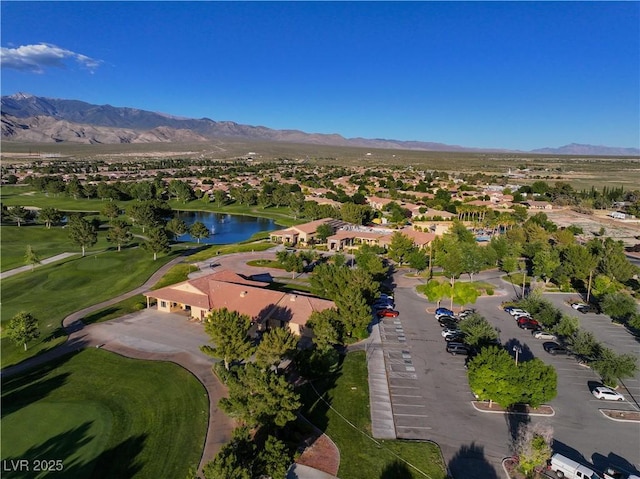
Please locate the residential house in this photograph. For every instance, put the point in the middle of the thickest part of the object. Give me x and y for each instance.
(538, 205)
(305, 233)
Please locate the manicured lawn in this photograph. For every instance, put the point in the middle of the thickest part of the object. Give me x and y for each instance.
(360, 456)
(265, 263)
(210, 253)
(105, 416)
(51, 292)
(45, 242)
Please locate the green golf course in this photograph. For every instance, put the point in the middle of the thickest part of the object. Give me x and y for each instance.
(103, 416)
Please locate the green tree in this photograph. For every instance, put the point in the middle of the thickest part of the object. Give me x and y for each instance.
(276, 344)
(578, 262)
(584, 343)
(418, 259)
(323, 232)
(260, 397)
(19, 214)
(220, 197)
(539, 381)
(604, 285)
(228, 332)
(49, 216)
(111, 210)
(356, 214)
(611, 366)
(545, 262)
(177, 227)
(472, 259)
(157, 242)
(367, 259)
(199, 231)
(465, 293)
(82, 232)
(436, 291)
(327, 328)
(354, 311)
(22, 328)
(119, 233)
(274, 459)
(509, 264)
(620, 306)
(147, 214)
(493, 376)
(400, 247)
(181, 190)
(31, 257)
(235, 459)
(477, 330)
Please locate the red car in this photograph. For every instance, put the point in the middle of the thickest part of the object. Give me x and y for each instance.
(528, 323)
(387, 313)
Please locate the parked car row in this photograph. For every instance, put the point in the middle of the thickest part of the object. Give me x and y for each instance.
(384, 306)
(585, 308)
(451, 332)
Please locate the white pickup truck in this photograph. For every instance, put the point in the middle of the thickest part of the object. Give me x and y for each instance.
(565, 467)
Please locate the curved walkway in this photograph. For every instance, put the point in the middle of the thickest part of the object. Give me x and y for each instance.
(81, 336)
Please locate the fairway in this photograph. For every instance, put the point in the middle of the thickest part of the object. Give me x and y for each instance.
(51, 292)
(104, 416)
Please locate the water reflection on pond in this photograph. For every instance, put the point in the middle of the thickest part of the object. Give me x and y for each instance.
(225, 228)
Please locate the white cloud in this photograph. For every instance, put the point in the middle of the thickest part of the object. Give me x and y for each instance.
(35, 58)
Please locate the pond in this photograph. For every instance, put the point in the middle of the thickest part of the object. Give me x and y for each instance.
(225, 228)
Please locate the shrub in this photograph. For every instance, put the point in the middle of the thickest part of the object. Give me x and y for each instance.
(489, 291)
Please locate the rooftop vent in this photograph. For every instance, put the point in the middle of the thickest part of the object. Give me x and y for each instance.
(243, 294)
(293, 297)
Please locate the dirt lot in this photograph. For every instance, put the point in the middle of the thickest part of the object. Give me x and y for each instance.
(627, 231)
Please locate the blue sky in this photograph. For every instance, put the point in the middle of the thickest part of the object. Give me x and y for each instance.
(518, 75)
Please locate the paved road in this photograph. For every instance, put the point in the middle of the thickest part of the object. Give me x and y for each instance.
(431, 398)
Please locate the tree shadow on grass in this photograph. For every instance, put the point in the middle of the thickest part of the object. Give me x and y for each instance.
(396, 470)
(20, 390)
(117, 462)
(316, 396)
(470, 463)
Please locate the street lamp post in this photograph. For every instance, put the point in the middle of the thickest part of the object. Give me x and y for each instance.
(517, 350)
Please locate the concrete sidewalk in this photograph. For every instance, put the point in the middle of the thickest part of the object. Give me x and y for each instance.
(382, 424)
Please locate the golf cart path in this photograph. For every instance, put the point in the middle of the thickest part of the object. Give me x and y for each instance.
(22, 269)
(80, 336)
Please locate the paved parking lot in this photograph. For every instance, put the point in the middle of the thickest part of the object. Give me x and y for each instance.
(431, 399)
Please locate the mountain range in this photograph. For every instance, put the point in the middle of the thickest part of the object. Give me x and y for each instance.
(29, 118)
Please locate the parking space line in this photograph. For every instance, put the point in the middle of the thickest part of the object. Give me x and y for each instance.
(406, 395)
(408, 405)
(405, 387)
(413, 427)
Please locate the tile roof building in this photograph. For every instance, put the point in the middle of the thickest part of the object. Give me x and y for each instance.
(226, 289)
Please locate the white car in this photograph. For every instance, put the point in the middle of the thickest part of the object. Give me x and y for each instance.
(579, 305)
(450, 332)
(544, 335)
(607, 394)
(517, 312)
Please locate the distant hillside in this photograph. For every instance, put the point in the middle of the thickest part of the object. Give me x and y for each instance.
(46, 129)
(578, 149)
(30, 118)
